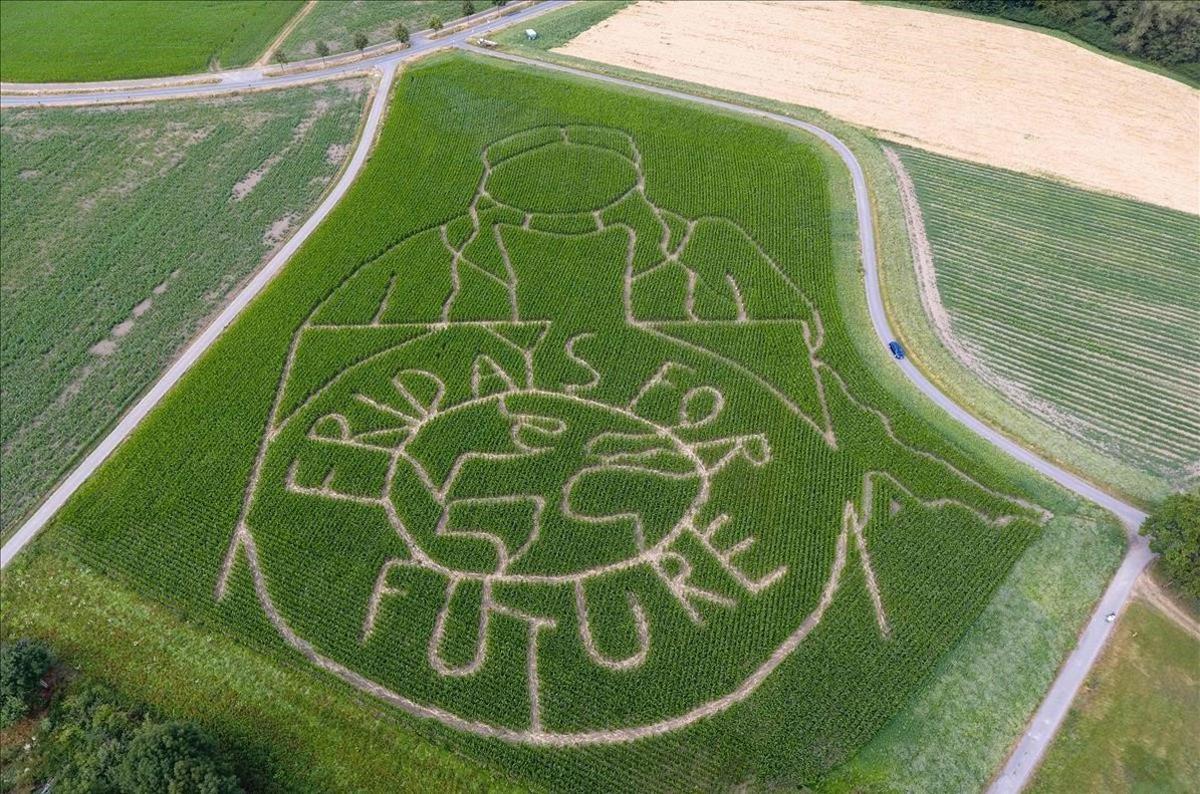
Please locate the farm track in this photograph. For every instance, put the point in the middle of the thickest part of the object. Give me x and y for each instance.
(1032, 745)
(284, 32)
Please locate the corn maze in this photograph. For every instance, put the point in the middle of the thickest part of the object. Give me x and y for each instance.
(573, 465)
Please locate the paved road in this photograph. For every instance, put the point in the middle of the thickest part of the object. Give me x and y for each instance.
(202, 343)
(250, 78)
(386, 66)
(1050, 714)
(1021, 764)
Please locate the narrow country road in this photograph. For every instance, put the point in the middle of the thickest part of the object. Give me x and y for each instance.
(1029, 751)
(1032, 746)
(202, 343)
(249, 78)
(386, 66)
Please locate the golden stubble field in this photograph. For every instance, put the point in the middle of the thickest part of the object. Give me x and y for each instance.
(976, 90)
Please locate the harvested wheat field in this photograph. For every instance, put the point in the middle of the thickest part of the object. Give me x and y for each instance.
(994, 94)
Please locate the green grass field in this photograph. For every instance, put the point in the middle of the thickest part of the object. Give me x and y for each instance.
(565, 444)
(336, 21)
(1134, 725)
(954, 732)
(125, 229)
(285, 728)
(68, 40)
(1077, 308)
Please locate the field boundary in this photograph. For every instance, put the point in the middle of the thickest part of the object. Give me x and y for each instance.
(93, 440)
(202, 84)
(931, 345)
(284, 32)
(1161, 71)
(1032, 745)
(200, 344)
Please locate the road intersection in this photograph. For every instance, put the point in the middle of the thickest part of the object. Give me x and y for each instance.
(1031, 747)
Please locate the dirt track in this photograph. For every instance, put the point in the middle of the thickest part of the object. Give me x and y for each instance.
(1154, 593)
(981, 91)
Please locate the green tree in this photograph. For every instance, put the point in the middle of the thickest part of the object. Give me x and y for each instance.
(435, 22)
(173, 757)
(98, 744)
(499, 3)
(322, 49)
(402, 34)
(360, 41)
(281, 57)
(22, 665)
(1174, 530)
(468, 8)
(88, 734)
(1166, 32)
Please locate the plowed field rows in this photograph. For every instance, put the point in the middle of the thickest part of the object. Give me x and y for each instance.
(1084, 305)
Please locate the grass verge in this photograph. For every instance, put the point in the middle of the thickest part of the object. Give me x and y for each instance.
(335, 22)
(1074, 303)
(1134, 725)
(285, 727)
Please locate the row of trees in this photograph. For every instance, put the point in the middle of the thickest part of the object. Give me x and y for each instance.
(400, 32)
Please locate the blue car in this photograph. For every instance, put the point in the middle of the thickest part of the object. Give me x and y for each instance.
(897, 351)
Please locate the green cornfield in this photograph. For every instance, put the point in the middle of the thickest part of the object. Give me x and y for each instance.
(1080, 308)
(78, 40)
(552, 441)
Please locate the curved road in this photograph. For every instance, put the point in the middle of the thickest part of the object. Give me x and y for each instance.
(1030, 749)
(385, 66)
(1028, 753)
(252, 78)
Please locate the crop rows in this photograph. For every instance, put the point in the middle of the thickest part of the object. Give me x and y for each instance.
(123, 229)
(81, 40)
(1084, 303)
(469, 456)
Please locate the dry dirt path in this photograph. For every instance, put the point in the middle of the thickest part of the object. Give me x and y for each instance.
(1149, 589)
(284, 33)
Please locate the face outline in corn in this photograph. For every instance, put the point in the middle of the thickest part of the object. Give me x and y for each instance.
(519, 477)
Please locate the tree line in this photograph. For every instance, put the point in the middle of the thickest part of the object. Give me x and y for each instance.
(1162, 32)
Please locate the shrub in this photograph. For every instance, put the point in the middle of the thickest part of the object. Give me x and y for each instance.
(435, 22)
(468, 8)
(402, 34)
(360, 41)
(22, 665)
(98, 744)
(173, 757)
